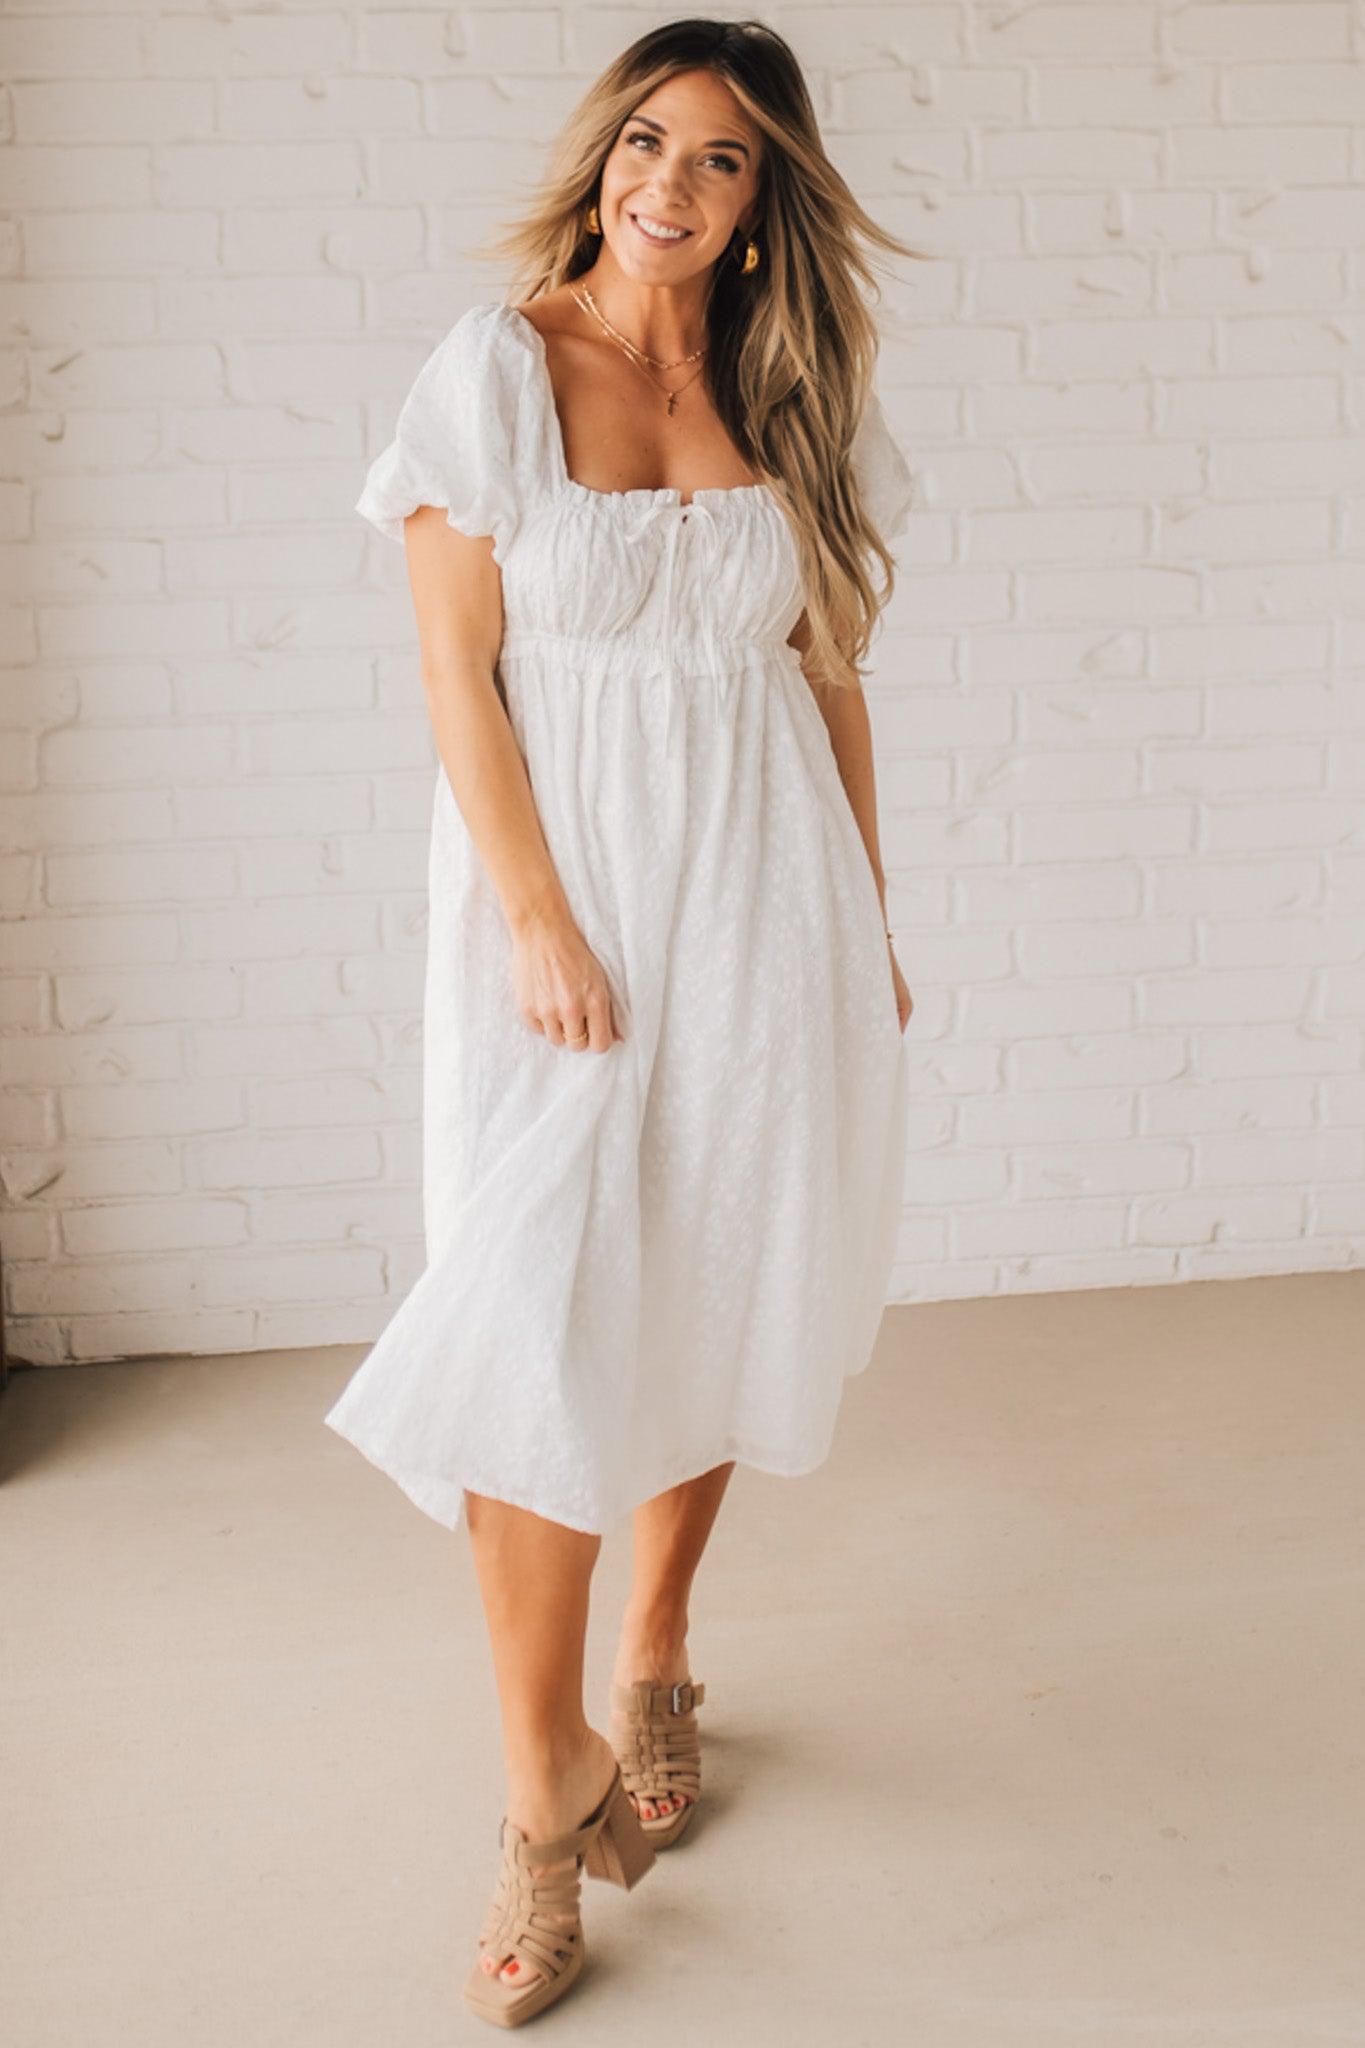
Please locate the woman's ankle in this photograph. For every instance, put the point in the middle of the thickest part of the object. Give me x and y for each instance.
(652, 1645)
(543, 1757)
(552, 1794)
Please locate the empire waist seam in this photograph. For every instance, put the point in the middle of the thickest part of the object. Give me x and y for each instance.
(680, 652)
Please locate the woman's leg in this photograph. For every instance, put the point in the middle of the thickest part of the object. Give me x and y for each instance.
(670, 1535)
(534, 1576)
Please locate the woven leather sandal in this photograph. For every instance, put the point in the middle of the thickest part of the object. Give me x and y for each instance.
(610, 1844)
(659, 1750)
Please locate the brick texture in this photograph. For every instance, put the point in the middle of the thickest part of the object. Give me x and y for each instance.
(1118, 695)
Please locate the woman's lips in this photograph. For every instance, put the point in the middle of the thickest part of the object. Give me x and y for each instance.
(658, 241)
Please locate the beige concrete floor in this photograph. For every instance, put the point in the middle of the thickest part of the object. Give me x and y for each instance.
(1034, 1717)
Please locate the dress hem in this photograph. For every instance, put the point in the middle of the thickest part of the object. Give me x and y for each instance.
(441, 1495)
(443, 1499)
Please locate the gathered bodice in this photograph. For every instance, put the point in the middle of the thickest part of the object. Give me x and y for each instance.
(638, 575)
(644, 565)
(641, 578)
(633, 576)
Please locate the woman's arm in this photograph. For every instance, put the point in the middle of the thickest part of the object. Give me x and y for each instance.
(457, 597)
(844, 711)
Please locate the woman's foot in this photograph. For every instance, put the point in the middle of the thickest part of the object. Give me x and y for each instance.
(660, 1655)
(552, 1798)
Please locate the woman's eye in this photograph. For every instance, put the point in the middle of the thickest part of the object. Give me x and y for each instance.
(727, 163)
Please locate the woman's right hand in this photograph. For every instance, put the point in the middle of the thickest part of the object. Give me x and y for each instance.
(561, 987)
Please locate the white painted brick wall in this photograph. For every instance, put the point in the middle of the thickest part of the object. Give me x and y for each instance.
(1121, 730)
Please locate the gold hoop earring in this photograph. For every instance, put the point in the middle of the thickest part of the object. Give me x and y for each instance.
(749, 260)
(594, 224)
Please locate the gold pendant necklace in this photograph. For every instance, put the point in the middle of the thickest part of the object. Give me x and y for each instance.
(592, 306)
(638, 356)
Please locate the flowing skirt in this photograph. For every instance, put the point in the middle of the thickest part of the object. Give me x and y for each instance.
(645, 1262)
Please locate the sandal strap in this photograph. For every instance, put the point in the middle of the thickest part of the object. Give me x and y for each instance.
(657, 1700)
(515, 1923)
(659, 1751)
(560, 1847)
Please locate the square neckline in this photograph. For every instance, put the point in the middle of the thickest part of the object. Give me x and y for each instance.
(673, 492)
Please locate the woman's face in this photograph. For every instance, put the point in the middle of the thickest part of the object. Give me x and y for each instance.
(687, 161)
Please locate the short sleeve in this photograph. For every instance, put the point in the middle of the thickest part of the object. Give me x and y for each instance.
(453, 443)
(884, 476)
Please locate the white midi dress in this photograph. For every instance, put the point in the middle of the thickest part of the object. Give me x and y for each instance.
(643, 1262)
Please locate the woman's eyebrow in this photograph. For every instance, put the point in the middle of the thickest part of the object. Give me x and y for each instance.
(717, 142)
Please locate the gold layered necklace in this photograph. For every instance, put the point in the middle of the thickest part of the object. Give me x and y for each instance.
(583, 297)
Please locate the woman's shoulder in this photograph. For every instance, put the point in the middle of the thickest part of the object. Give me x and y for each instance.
(487, 330)
(476, 372)
(536, 321)
(521, 329)
(459, 441)
(885, 477)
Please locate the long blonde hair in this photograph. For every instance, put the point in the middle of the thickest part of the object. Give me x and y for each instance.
(792, 347)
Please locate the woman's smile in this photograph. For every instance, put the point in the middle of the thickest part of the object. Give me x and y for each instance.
(657, 231)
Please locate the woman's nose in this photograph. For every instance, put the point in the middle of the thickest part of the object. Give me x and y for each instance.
(668, 184)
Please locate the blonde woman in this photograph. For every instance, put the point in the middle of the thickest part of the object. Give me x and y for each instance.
(665, 1076)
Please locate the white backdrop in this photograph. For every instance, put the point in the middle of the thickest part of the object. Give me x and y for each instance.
(1118, 704)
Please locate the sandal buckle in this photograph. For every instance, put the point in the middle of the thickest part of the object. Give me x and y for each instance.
(676, 1703)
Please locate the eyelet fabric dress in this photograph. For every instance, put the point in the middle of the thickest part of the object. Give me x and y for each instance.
(643, 1262)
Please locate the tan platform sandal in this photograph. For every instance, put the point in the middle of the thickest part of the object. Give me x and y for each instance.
(659, 1750)
(610, 1844)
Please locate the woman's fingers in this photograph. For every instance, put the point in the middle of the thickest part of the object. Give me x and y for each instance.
(585, 1022)
(567, 996)
(597, 1019)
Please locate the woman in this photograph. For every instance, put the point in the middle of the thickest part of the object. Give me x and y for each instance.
(665, 1084)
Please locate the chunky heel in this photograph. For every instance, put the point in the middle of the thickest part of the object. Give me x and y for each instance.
(620, 1851)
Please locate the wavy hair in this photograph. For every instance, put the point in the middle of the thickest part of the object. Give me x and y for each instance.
(791, 348)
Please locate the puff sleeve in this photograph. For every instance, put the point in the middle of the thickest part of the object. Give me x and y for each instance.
(884, 476)
(453, 442)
